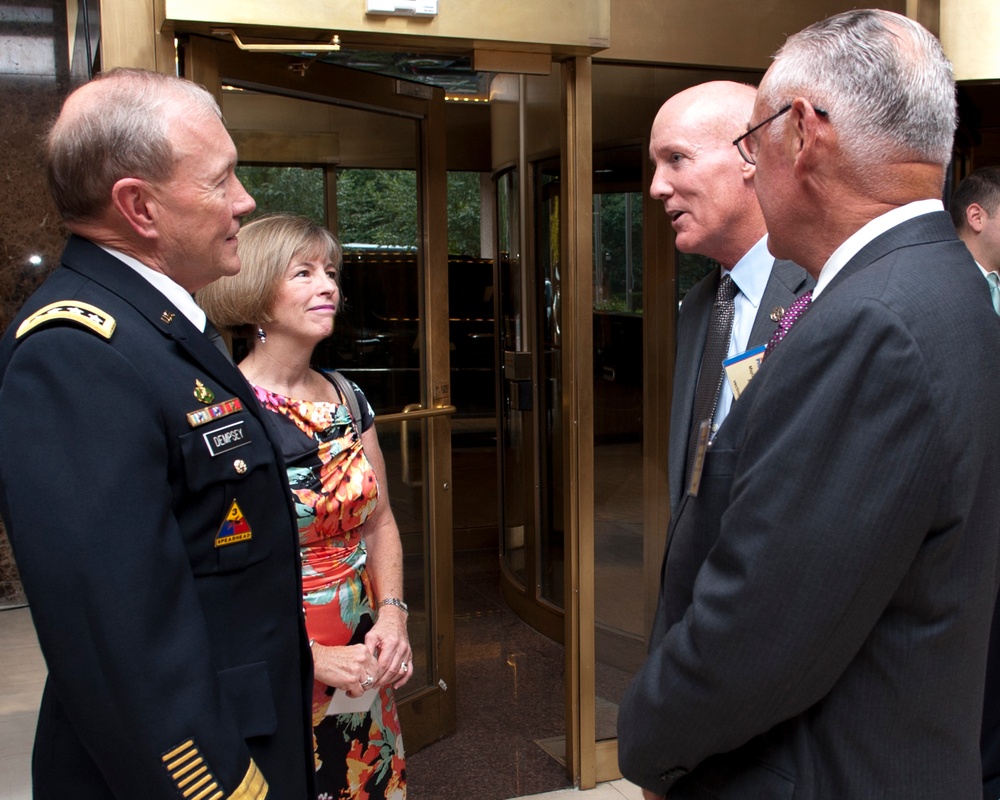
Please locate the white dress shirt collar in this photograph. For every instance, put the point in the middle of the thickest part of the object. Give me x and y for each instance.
(173, 291)
(751, 272)
(867, 233)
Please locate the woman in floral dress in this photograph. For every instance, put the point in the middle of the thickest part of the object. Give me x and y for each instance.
(352, 575)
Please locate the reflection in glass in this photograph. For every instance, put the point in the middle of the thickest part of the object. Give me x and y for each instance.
(618, 252)
(551, 528)
(403, 447)
(618, 428)
(291, 190)
(515, 386)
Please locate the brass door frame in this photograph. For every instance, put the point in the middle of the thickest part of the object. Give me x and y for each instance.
(577, 255)
(430, 713)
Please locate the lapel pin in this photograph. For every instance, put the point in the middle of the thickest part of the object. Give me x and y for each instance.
(202, 392)
(167, 317)
(777, 313)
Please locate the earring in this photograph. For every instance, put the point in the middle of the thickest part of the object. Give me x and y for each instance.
(261, 335)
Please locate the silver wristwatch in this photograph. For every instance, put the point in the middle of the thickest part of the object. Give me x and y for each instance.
(395, 601)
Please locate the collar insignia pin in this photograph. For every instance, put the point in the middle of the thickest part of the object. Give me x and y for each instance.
(202, 392)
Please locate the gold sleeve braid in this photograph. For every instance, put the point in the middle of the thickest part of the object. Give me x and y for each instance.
(195, 780)
(253, 787)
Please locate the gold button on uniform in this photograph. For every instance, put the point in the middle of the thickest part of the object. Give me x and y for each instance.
(240, 465)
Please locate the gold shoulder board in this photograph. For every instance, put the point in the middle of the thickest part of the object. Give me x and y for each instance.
(84, 314)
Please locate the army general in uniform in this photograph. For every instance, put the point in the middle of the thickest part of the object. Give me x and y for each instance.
(146, 504)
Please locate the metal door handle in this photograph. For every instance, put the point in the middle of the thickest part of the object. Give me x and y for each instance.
(290, 47)
(413, 411)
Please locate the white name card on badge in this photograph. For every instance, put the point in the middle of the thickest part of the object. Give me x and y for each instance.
(342, 703)
(741, 368)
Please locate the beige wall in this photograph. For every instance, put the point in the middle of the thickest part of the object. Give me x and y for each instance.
(740, 34)
(729, 33)
(970, 35)
(564, 25)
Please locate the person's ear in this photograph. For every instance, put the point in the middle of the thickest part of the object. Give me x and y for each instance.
(975, 217)
(133, 200)
(804, 131)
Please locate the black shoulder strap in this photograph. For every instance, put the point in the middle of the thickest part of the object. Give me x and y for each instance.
(346, 391)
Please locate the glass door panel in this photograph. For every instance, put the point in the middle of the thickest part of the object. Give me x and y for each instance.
(391, 337)
(515, 385)
(550, 554)
(402, 443)
(618, 428)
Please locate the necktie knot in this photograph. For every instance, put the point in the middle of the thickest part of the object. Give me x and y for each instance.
(726, 291)
(994, 281)
(789, 318)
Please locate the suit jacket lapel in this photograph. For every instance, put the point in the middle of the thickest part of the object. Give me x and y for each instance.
(103, 268)
(786, 282)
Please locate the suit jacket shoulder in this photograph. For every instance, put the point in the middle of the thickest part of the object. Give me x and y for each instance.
(819, 585)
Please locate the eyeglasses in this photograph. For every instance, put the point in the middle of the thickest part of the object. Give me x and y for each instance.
(748, 147)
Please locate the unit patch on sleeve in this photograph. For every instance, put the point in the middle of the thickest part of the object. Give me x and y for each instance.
(234, 528)
(83, 314)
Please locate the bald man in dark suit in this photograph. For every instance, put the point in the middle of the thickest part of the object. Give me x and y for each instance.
(707, 192)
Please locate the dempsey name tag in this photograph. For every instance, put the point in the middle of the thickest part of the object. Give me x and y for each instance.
(742, 367)
(227, 438)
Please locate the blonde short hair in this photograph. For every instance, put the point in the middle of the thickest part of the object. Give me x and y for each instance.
(266, 247)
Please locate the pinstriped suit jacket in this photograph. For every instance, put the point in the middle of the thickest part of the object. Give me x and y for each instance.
(823, 622)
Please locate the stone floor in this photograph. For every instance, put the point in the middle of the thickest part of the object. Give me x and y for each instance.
(510, 705)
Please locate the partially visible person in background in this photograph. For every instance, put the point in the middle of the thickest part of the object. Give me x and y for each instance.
(286, 297)
(975, 210)
(146, 503)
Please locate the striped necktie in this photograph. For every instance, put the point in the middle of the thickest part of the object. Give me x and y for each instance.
(706, 394)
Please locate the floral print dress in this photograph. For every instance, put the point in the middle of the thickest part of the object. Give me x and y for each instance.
(359, 755)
